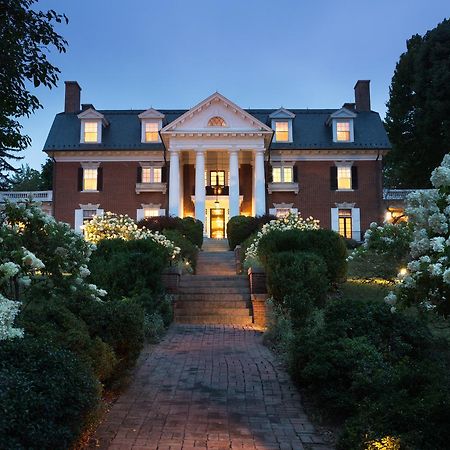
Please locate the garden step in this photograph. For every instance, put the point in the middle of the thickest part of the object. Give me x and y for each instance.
(214, 320)
(182, 303)
(188, 297)
(219, 283)
(213, 277)
(212, 311)
(214, 290)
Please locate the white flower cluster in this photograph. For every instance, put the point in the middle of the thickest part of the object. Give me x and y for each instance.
(121, 226)
(427, 283)
(29, 259)
(290, 222)
(8, 312)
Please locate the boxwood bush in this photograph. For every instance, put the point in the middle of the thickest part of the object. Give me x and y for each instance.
(46, 395)
(328, 244)
(189, 251)
(239, 228)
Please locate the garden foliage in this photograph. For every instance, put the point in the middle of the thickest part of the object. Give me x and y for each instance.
(240, 228)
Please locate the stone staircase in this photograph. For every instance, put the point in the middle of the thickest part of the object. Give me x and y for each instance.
(215, 294)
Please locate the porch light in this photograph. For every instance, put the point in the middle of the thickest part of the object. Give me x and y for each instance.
(216, 204)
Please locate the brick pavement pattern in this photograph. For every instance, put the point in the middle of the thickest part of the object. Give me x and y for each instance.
(209, 387)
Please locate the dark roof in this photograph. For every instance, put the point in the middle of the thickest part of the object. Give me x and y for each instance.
(309, 131)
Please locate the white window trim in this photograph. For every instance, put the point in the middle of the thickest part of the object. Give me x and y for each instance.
(93, 166)
(352, 134)
(140, 212)
(152, 174)
(78, 222)
(282, 166)
(344, 164)
(289, 121)
(143, 123)
(356, 219)
(99, 131)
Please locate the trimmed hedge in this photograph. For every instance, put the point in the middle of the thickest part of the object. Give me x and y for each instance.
(325, 243)
(46, 395)
(189, 251)
(239, 228)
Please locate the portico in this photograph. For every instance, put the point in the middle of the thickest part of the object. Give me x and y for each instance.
(216, 154)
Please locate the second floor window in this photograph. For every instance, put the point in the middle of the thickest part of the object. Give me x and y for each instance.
(90, 179)
(90, 132)
(151, 175)
(217, 178)
(344, 177)
(343, 131)
(282, 131)
(151, 132)
(282, 175)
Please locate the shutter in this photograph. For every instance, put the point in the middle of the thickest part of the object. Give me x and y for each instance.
(333, 178)
(164, 174)
(80, 178)
(100, 179)
(139, 175)
(354, 177)
(295, 174)
(269, 176)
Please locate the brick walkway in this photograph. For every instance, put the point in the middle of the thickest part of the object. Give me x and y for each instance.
(209, 386)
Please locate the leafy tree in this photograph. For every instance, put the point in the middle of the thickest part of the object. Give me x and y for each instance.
(47, 175)
(26, 36)
(26, 179)
(418, 117)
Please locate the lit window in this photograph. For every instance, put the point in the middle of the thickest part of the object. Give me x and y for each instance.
(157, 174)
(88, 215)
(282, 175)
(90, 132)
(89, 179)
(282, 212)
(343, 131)
(146, 175)
(345, 223)
(216, 122)
(281, 131)
(151, 175)
(217, 178)
(151, 212)
(151, 132)
(344, 175)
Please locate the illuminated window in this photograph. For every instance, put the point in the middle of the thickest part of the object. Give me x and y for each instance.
(345, 223)
(343, 131)
(88, 215)
(217, 178)
(151, 132)
(216, 121)
(90, 179)
(344, 177)
(282, 212)
(151, 212)
(151, 175)
(90, 132)
(282, 131)
(282, 175)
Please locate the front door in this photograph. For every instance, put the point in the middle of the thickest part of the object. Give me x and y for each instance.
(217, 223)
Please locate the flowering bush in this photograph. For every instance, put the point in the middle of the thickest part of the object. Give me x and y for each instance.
(427, 282)
(291, 222)
(121, 226)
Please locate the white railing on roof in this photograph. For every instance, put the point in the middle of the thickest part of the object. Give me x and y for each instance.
(23, 196)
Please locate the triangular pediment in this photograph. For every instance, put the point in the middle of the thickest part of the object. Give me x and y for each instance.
(92, 114)
(151, 114)
(216, 106)
(282, 114)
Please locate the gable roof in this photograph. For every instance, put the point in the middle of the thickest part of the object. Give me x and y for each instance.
(282, 114)
(310, 131)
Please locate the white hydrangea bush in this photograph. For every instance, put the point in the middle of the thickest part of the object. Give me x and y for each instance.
(426, 282)
(121, 226)
(290, 222)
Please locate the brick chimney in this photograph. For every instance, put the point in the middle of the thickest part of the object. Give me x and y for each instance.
(73, 97)
(362, 95)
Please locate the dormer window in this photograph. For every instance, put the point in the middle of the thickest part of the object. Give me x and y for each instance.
(341, 122)
(217, 121)
(92, 123)
(282, 125)
(343, 131)
(151, 123)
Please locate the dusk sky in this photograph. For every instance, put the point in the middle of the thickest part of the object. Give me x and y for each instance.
(258, 53)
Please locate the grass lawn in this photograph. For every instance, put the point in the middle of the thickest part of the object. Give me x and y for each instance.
(358, 289)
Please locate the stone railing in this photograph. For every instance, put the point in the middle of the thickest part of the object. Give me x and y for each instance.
(23, 196)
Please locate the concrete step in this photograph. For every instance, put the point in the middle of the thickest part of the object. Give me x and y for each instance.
(210, 305)
(218, 283)
(202, 308)
(192, 297)
(213, 277)
(214, 290)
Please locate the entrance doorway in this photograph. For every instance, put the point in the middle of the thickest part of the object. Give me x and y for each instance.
(217, 222)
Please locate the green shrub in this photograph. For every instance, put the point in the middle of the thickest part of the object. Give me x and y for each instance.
(124, 268)
(325, 243)
(239, 228)
(151, 303)
(189, 251)
(298, 281)
(193, 230)
(46, 395)
(153, 327)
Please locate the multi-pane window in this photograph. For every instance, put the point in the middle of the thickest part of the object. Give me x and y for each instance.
(151, 175)
(281, 131)
(90, 179)
(344, 177)
(90, 132)
(345, 223)
(343, 131)
(216, 122)
(151, 212)
(88, 215)
(282, 212)
(282, 174)
(151, 132)
(217, 178)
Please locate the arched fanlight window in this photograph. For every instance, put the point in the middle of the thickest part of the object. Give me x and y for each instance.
(216, 121)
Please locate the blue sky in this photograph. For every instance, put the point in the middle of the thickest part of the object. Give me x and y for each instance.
(259, 53)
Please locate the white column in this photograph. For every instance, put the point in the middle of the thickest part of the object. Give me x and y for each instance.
(200, 185)
(174, 183)
(234, 183)
(260, 183)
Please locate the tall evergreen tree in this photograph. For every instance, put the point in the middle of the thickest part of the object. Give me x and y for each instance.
(418, 116)
(26, 37)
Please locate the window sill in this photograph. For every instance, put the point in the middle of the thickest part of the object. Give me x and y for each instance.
(151, 187)
(89, 191)
(344, 190)
(283, 187)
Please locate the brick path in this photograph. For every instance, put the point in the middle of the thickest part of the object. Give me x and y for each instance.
(209, 387)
